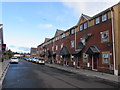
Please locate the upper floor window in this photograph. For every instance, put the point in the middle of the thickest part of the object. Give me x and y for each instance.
(83, 41)
(106, 57)
(72, 43)
(57, 38)
(97, 20)
(81, 27)
(72, 31)
(105, 36)
(63, 35)
(85, 25)
(104, 17)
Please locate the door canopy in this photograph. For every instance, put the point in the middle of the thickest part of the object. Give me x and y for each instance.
(92, 50)
(64, 51)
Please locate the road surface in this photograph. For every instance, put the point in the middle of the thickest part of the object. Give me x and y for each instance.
(31, 75)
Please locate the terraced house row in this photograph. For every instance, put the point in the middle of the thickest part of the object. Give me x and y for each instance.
(94, 43)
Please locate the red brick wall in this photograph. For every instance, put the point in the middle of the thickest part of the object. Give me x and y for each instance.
(95, 39)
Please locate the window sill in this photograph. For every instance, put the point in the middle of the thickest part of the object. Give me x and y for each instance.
(104, 41)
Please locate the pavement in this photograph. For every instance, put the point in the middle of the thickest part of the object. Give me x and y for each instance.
(3, 69)
(90, 73)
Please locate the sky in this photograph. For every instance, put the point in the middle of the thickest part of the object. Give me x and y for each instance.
(26, 24)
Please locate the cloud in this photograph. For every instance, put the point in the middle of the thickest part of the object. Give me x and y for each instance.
(19, 49)
(24, 48)
(89, 7)
(45, 26)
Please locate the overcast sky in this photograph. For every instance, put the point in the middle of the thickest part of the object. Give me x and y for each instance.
(27, 24)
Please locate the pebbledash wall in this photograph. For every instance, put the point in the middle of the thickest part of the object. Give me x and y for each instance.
(94, 43)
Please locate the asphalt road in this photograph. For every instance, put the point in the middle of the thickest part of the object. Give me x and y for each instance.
(31, 75)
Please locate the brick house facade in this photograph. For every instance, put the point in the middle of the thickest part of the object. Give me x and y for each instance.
(33, 52)
(92, 44)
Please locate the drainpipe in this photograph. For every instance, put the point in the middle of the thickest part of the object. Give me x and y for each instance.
(75, 47)
(113, 38)
(75, 39)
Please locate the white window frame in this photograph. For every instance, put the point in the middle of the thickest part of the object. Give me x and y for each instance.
(63, 35)
(72, 44)
(85, 25)
(58, 38)
(81, 27)
(97, 20)
(83, 41)
(104, 17)
(72, 31)
(106, 59)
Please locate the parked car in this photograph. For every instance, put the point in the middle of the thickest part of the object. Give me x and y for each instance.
(14, 60)
(26, 58)
(37, 60)
(41, 61)
(34, 60)
(30, 59)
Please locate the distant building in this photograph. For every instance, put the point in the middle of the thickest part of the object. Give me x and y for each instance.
(25, 54)
(93, 43)
(33, 52)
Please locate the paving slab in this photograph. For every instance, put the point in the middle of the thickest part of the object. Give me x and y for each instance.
(90, 73)
(3, 69)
